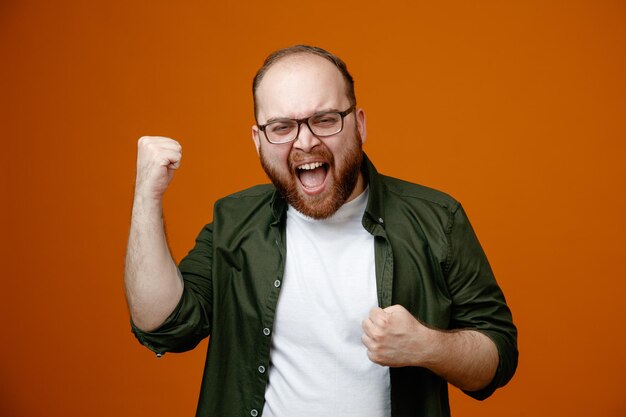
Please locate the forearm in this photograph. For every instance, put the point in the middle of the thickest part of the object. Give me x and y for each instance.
(467, 359)
(153, 284)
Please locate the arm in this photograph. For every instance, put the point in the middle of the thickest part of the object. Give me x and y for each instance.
(152, 281)
(466, 358)
(480, 354)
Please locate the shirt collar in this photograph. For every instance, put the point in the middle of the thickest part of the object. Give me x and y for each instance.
(374, 207)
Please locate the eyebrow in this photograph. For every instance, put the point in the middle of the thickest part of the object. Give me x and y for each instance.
(281, 119)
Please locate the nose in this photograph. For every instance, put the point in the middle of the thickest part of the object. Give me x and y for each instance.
(306, 140)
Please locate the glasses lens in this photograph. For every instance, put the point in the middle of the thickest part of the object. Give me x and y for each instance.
(326, 124)
(281, 131)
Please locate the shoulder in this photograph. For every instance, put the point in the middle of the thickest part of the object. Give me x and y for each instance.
(415, 213)
(417, 195)
(251, 204)
(254, 192)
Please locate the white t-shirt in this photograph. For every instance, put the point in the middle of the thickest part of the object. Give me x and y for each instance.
(319, 365)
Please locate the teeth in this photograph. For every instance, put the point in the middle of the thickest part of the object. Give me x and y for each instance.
(311, 166)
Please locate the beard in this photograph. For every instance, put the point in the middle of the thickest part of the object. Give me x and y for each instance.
(345, 174)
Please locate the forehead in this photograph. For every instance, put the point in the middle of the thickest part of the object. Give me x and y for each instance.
(299, 85)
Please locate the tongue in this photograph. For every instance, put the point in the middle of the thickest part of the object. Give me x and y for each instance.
(313, 177)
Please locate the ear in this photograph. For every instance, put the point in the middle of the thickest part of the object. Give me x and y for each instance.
(255, 138)
(361, 125)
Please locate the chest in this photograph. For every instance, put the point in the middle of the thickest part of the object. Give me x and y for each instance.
(329, 278)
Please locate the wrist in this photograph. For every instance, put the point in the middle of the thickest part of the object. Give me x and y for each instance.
(146, 207)
(434, 348)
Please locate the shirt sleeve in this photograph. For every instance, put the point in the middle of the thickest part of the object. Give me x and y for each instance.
(478, 301)
(190, 322)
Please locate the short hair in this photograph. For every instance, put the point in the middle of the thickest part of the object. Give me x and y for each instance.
(303, 49)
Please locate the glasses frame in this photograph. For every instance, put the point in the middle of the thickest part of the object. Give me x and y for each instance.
(299, 122)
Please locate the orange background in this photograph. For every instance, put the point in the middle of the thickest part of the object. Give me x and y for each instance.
(515, 108)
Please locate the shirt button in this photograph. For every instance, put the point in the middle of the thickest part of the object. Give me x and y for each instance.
(254, 413)
(266, 331)
(261, 369)
(277, 283)
(380, 220)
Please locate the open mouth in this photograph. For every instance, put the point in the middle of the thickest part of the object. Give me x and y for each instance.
(312, 176)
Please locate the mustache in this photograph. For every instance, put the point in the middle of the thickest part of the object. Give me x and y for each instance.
(322, 154)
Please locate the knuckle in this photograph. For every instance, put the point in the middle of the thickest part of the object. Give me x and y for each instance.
(377, 335)
(375, 357)
(146, 139)
(375, 347)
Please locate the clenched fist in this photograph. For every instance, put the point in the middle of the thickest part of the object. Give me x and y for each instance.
(157, 159)
(393, 337)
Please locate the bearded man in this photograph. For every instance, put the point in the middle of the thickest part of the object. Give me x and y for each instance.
(336, 291)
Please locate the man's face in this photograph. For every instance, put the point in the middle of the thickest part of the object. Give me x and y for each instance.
(315, 175)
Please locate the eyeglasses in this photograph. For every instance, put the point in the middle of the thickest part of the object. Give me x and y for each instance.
(320, 124)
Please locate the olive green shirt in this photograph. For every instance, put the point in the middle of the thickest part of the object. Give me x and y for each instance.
(428, 259)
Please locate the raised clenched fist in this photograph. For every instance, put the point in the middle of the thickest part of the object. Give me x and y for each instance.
(157, 159)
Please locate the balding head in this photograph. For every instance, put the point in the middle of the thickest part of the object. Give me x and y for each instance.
(293, 52)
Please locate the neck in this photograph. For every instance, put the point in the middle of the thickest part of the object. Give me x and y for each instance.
(358, 188)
